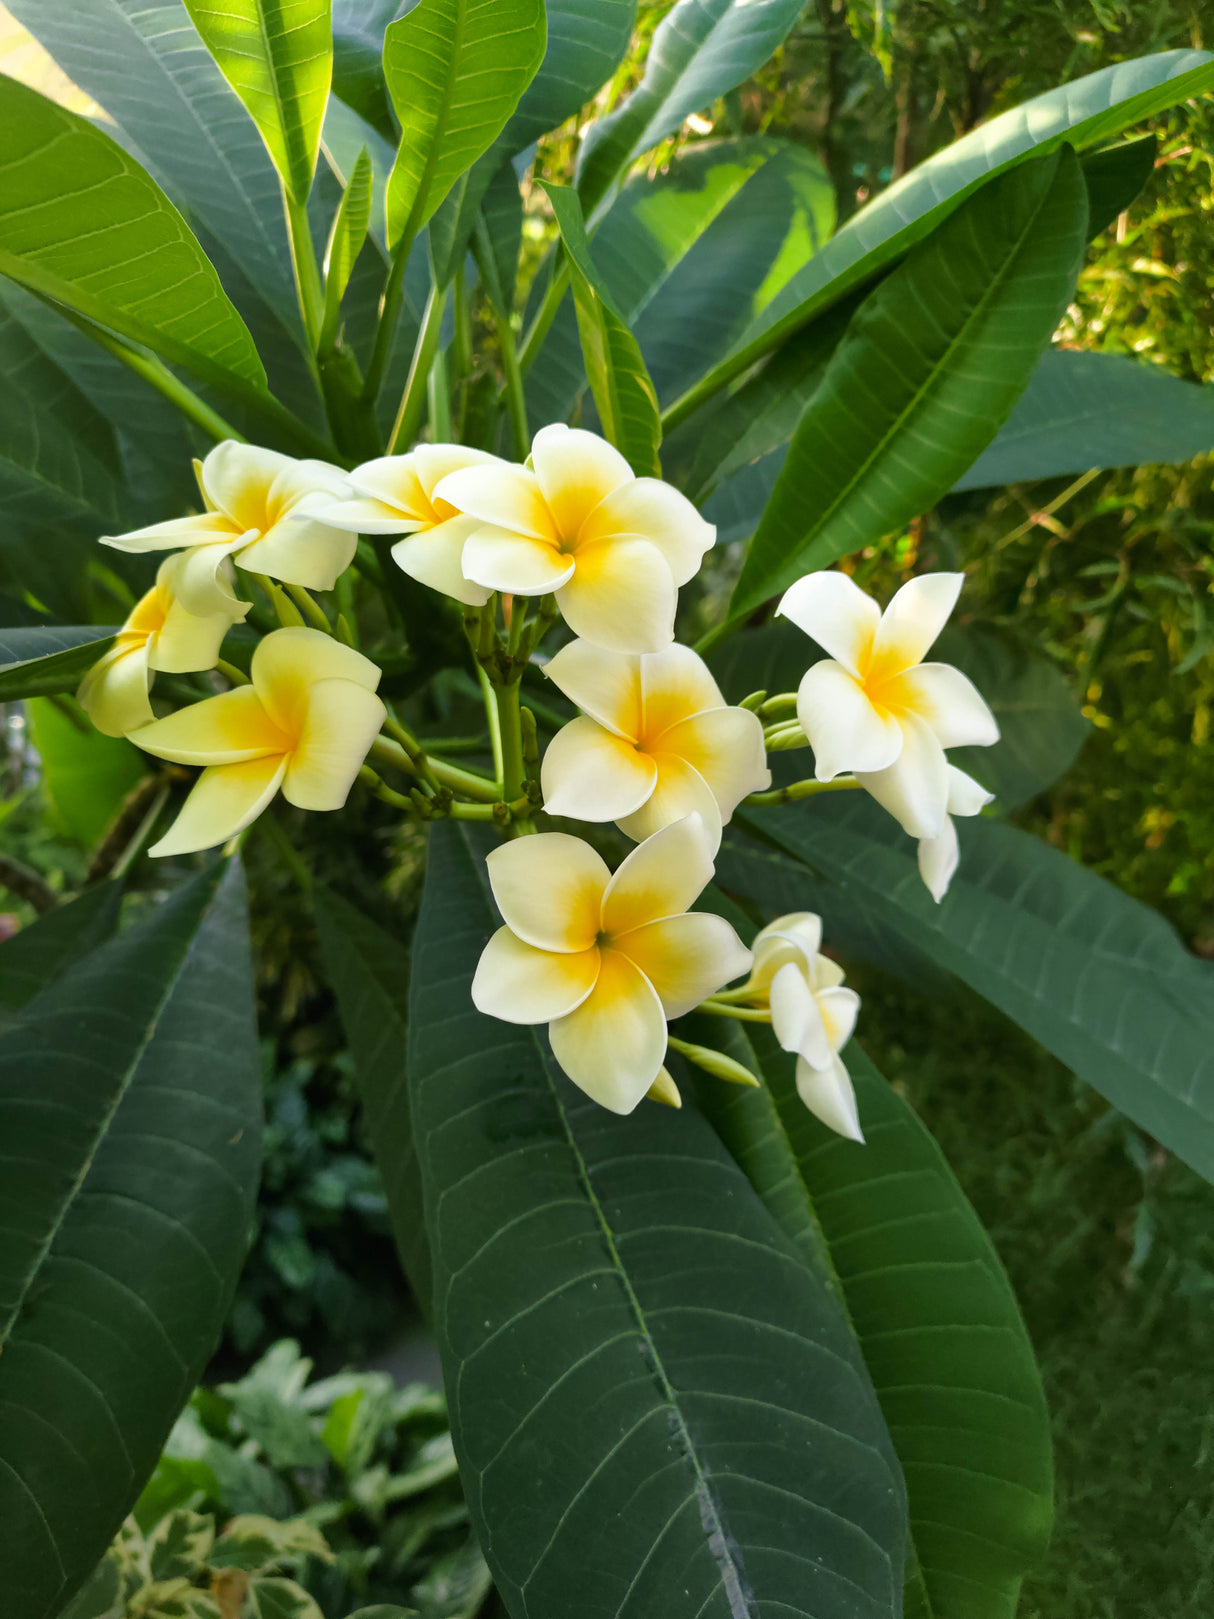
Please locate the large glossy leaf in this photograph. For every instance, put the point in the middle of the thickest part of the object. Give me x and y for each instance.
(358, 49)
(42, 660)
(369, 972)
(623, 390)
(1088, 113)
(1100, 980)
(701, 49)
(38, 953)
(85, 776)
(936, 1317)
(1096, 410)
(82, 223)
(130, 1108)
(689, 255)
(278, 57)
(586, 43)
(644, 1381)
(455, 71)
(932, 363)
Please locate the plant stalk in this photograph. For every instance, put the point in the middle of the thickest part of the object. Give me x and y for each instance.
(413, 400)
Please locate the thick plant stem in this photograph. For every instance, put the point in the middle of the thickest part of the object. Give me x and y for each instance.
(413, 400)
(800, 789)
(516, 399)
(495, 728)
(389, 316)
(510, 721)
(439, 393)
(307, 271)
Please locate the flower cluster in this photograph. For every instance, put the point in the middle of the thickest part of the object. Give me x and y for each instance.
(605, 961)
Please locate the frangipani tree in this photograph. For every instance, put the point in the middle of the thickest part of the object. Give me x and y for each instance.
(745, 1352)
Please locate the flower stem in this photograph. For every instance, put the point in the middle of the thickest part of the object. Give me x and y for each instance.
(288, 615)
(413, 759)
(231, 673)
(744, 1014)
(798, 790)
(311, 610)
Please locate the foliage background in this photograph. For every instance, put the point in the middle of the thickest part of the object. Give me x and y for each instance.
(1108, 1241)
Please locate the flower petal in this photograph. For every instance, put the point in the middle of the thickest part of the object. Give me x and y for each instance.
(659, 514)
(507, 496)
(948, 700)
(288, 661)
(685, 958)
(675, 684)
(620, 596)
(592, 775)
(434, 462)
(965, 795)
(366, 514)
(499, 559)
(549, 889)
(844, 729)
(228, 729)
(939, 858)
(829, 1095)
(725, 745)
(833, 611)
(185, 640)
(913, 620)
(394, 481)
(914, 789)
(613, 1045)
(177, 533)
(804, 927)
(520, 984)
(605, 685)
(341, 721)
(839, 1009)
(433, 557)
(236, 479)
(796, 1018)
(680, 791)
(661, 877)
(302, 551)
(576, 470)
(223, 801)
(796, 938)
(202, 580)
(114, 692)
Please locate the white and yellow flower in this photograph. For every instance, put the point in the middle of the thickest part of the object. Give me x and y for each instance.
(613, 548)
(304, 724)
(656, 741)
(159, 634)
(604, 961)
(259, 509)
(395, 494)
(811, 1014)
(938, 856)
(873, 707)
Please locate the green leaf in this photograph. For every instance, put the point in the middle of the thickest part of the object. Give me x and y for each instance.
(40, 661)
(369, 972)
(690, 255)
(936, 1317)
(385, 1610)
(1041, 725)
(100, 1597)
(38, 953)
(1114, 178)
(281, 1599)
(623, 391)
(587, 40)
(932, 363)
(1100, 980)
(456, 1586)
(358, 49)
(346, 240)
(1096, 410)
(1088, 113)
(455, 71)
(130, 1110)
(701, 49)
(278, 57)
(82, 223)
(644, 1380)
(86, 776)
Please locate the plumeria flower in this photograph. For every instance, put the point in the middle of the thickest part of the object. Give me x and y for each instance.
(811, 1014)
(874, 707)
(575, 521)
(394, 494)
(656, 741)
(304, 724)
(938, 856)
(159, 634)
(258, 510)
(604, 961)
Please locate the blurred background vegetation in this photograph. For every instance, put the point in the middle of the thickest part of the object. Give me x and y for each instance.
(1110, 1244)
